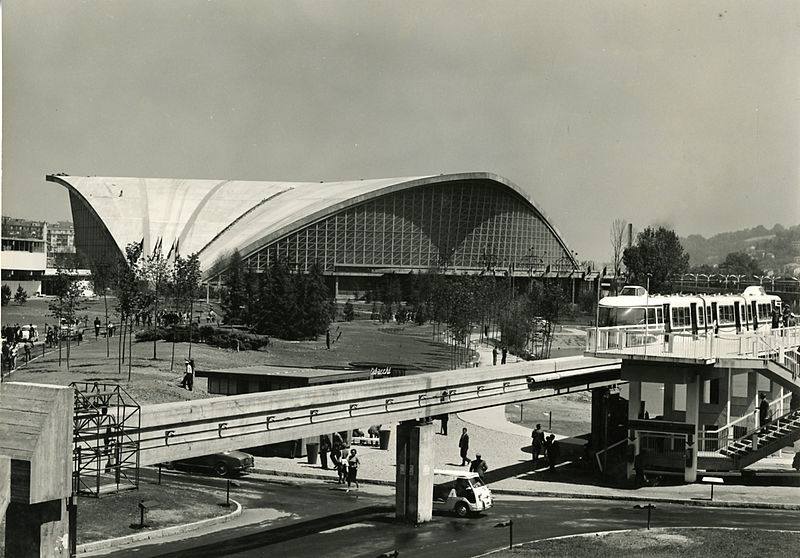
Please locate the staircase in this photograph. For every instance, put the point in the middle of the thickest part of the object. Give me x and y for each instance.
(771, 437)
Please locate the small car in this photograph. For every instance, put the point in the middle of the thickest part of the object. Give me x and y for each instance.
(223, 464)
(461, 492)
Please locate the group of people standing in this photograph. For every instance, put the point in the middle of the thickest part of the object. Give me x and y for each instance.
(346, 466)
(547, 446)
(503, 354)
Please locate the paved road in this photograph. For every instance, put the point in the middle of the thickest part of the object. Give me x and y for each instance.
(326, 521)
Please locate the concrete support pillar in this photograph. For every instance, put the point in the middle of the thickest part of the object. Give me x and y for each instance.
(634, 409)
(692, 417)
(38, 530)
(414, 473)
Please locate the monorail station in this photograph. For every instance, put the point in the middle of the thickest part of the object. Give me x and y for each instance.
(725, 375)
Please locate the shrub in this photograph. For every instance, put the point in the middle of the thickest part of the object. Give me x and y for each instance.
(210, 335)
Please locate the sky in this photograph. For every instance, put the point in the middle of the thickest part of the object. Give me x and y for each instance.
(681, 113)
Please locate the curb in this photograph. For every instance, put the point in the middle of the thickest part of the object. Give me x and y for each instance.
(576, 496)
(109, 544)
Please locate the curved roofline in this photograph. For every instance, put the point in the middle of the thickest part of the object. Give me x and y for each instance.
(214, 246)
(407, 184)
(80, 197)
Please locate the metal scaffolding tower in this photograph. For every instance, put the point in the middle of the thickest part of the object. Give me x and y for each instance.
(106, 439)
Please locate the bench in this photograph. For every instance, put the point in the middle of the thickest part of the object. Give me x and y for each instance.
(365, 441)
(712, 481)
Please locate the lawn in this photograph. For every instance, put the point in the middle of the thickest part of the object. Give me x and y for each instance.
(665, 543)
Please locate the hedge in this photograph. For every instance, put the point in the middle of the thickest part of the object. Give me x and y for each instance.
(210, 335)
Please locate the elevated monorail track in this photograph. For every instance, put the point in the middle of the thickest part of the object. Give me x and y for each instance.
(178, 430)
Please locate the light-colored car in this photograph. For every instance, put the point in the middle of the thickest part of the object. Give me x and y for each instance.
(460, 491)
(223, 464)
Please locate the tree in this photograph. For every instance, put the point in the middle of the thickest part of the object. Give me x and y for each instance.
(618, 228)
(658, 254)
(65, 305)
(234, 298)
(21, 296)
(186, 288)
(739, 263)
(349, 314)
(155, 271)
(130, 292)
(6, 292)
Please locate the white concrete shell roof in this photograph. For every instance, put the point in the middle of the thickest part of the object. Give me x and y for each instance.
(214, 217)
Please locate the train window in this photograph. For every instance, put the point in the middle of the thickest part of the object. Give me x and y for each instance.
(651, 316)
(660, 315)
(700, 316)
(709, 319)
(764, 311)
(725, 314)
(681, 316)
(613, 317)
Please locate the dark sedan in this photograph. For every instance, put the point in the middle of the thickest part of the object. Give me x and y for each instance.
(221, 464)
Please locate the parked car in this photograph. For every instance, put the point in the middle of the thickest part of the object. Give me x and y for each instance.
(221, 464)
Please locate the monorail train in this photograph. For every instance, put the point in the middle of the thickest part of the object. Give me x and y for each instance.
(695, 313)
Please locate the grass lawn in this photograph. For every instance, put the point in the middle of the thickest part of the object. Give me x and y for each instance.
(155, 381)
(665, 543)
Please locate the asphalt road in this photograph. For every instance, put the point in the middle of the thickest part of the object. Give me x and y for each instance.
(325, 521)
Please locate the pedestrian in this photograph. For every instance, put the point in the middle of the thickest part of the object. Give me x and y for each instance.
(13, 355)
(479, 466)
(336, 454)
(776, 318)
(110, 329)
(537, 443)
(324, 448)
(463, 444)
(763, 410)
(494, 356)
(443, 418)
(553, 451)
(28, 352)
(504, 353)
(96, 327)
(328, 339)
(353, 463)
(188, 375)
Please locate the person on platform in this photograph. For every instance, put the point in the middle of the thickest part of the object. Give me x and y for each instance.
(763, 410)
(96, 327)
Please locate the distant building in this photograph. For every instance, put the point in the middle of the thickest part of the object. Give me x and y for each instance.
(24, 254)
(60, 238)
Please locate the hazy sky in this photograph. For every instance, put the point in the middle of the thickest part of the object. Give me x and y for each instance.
(684, 113)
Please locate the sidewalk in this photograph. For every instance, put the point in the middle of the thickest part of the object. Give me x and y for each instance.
(506, 448)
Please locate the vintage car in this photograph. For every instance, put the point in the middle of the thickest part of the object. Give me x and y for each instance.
(461, 492)
(223, 464)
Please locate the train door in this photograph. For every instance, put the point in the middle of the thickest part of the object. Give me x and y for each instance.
(715, 317)
(693, 317)
(754, 310)
(737, 316)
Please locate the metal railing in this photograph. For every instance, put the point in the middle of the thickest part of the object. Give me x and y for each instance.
(643, 341)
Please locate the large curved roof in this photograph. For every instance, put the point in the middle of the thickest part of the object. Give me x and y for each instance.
(214, 217)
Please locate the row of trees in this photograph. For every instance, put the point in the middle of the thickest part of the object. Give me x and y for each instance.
(148, 284)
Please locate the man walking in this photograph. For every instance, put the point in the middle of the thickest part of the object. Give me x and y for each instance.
(463, 444)
(96, 327)
(479, 466)
(537, 443)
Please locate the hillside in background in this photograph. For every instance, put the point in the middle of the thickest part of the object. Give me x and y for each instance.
(774, 249)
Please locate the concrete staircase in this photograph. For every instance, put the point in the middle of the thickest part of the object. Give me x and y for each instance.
(768, 439)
